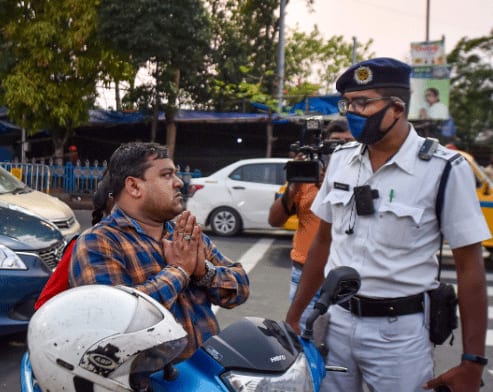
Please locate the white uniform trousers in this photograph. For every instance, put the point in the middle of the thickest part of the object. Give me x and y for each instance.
(387, 354)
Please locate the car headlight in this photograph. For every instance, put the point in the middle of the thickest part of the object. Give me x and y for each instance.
(10, 260)
(296, 379)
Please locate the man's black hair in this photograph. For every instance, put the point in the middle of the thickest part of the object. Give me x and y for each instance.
(132, 160)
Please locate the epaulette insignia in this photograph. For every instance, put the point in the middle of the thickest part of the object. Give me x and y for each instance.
(347, 145)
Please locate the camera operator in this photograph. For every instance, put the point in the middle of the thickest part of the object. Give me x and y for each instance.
(297, 199)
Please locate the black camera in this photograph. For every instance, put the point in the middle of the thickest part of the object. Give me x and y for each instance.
(314, 151)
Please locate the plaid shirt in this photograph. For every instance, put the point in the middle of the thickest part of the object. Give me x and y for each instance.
(116, 251)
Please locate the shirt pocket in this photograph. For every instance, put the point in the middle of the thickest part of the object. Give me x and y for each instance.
(398, 224)
(340, 207)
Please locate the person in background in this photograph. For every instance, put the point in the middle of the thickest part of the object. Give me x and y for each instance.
(73, 154)
(377, 206)
(150, 243)
(297, 199)
(435, 108)
(58, 281)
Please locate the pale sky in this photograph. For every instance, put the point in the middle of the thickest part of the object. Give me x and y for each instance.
(393, 25)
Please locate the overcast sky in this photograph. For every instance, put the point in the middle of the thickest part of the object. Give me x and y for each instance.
(394, 24)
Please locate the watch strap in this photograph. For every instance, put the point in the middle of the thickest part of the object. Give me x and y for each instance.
(210, 272)
(474, 358)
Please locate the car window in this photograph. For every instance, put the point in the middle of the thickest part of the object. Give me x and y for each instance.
(8, 183)
(264, 173)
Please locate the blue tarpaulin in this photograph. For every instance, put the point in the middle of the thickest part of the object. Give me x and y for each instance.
(323, 105)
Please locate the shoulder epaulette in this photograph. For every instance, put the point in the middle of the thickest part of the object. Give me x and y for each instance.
(347, 145)
(448, 155)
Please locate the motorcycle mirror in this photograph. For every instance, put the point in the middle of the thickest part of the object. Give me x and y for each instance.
(339, 286)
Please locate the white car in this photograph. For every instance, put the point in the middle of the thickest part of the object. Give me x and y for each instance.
(237, 197)
(17, 195)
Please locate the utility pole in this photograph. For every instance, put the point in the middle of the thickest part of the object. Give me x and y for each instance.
(280, 57)
(355, 46)
(427, 20)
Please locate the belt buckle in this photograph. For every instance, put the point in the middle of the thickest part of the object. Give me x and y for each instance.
(356, 306)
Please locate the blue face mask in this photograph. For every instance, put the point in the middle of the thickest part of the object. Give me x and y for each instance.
(365, 129)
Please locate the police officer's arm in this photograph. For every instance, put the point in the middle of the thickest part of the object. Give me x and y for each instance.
(283, 207)
(473, 303)
(312, 276)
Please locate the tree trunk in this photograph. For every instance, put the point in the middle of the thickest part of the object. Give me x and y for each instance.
(171, 135)
(118, 98)
(170, 116)
(155, 117)
(270, 139)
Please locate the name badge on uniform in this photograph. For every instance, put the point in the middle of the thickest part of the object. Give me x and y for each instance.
(341, 186)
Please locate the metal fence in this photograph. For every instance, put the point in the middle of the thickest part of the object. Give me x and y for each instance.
(56, 176)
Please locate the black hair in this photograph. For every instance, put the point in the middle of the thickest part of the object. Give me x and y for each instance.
(132, 160)
(100, 200)
(434, 91)
(336, 126)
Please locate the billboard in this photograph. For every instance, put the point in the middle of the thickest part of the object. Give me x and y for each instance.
(430, 82)
(428, 53)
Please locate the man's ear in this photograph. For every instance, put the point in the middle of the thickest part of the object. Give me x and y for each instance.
(133, 186)
(399, 106)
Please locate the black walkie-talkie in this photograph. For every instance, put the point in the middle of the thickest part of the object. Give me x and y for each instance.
(428, 148)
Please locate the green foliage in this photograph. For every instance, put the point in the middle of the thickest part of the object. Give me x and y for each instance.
(313, 63)
(247, 38)
(51, 84)
(471, 93)
(172, 36)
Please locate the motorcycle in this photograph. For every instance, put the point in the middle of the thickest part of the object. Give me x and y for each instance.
(252, 354)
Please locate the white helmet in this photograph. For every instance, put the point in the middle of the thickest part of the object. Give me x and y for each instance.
(104, 337)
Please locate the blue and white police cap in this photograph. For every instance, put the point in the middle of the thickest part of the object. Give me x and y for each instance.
(374, 73)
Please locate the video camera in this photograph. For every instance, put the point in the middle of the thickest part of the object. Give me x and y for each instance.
(309, 169)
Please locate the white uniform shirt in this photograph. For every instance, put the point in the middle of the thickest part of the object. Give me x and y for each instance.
(394, 249)
(438, 110)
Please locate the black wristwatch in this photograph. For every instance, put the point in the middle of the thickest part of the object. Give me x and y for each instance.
(474, 358)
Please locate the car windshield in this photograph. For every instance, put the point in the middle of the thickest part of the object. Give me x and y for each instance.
(8, 183)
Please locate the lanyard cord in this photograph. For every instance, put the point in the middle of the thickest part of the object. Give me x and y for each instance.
(350, 229)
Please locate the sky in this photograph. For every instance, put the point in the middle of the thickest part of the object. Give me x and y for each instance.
(393, 25)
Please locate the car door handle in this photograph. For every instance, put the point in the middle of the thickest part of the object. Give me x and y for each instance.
(238, 187)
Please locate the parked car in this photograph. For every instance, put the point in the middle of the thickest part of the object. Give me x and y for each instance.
(237, 197)
(16, 193)
(30, 247)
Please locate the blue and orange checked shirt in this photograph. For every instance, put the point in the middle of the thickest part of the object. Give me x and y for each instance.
(116, 251)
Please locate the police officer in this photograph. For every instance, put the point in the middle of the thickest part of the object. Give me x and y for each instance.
(377, 206)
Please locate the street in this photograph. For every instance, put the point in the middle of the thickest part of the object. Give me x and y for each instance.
(266, 257)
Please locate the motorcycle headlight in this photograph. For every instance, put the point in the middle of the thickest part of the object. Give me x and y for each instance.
(10, 260)
(296, 379)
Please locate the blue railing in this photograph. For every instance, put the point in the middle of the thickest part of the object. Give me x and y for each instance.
(54, 177)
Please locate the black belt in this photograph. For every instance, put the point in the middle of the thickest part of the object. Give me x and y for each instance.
(386, 307)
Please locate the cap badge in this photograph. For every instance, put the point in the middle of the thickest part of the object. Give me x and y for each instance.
(363, 75)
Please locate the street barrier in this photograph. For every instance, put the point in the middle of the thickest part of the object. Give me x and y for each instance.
(55, 176)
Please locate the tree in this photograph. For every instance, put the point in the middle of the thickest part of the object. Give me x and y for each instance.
(51, 83)
(244, 50)
(313, 63)
(471, 86)
(173, 37)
